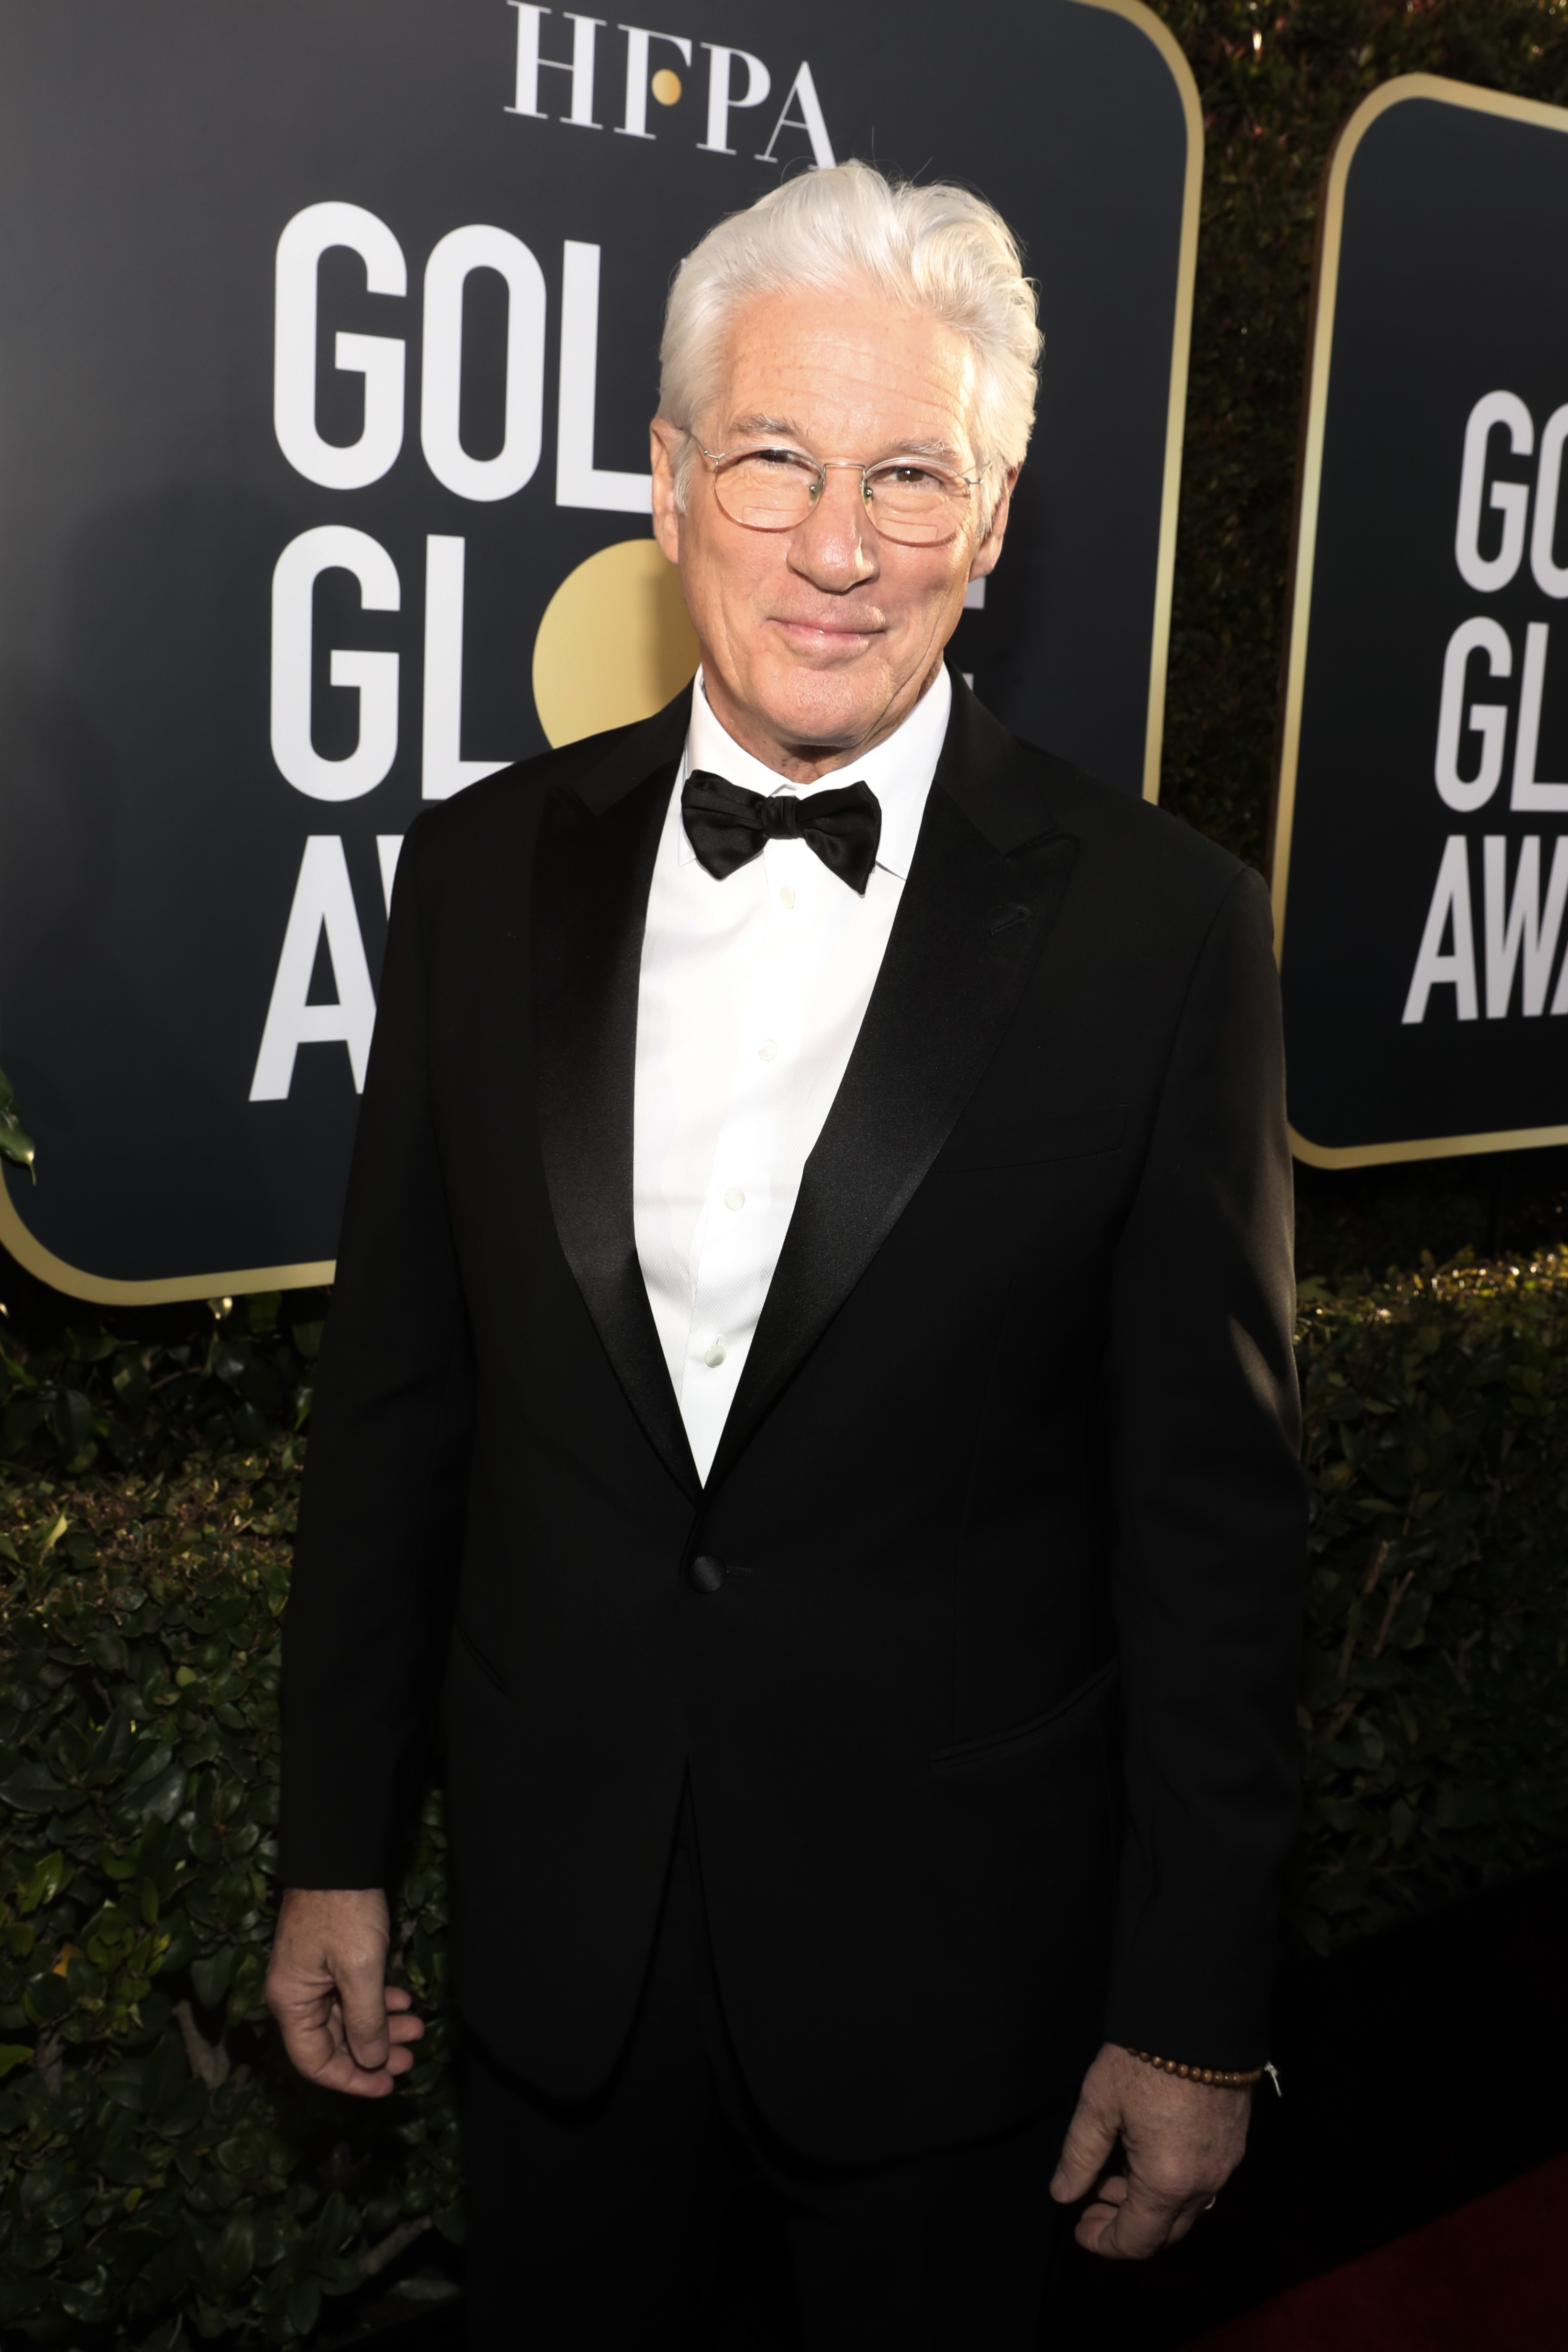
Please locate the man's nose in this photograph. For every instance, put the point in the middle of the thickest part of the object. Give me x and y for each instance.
(836, 542)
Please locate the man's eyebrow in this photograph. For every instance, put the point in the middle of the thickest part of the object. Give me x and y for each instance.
(942, 449)
(759, 423)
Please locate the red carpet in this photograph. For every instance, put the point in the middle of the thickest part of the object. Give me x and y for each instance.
(1492, 2277)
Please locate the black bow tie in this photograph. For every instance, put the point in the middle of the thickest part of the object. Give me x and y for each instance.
(728, 827)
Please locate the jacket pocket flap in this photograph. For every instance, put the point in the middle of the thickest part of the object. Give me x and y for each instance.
(1058, 1718)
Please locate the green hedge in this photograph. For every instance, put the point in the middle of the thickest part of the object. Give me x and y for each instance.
(159, 2165)
(1434, 1705)
(125, 1398)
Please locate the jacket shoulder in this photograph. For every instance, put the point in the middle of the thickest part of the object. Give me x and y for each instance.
(1016, 792)
(1138, 834)
(494, 816)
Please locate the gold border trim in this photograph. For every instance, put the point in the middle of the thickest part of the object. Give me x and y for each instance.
(1431, 1147)
(1325, 292)
(1181, 73)
(103, 1290)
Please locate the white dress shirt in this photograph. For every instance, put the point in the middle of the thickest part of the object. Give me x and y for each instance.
(752, 994)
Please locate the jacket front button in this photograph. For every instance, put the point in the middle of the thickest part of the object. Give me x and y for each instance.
(704, 1573)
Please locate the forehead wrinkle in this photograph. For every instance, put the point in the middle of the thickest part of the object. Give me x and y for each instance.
(875, 385)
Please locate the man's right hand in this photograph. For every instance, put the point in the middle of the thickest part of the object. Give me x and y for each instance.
(342, 2025)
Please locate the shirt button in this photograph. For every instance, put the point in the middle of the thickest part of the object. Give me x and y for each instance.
(735, 1198)
(766, 1050)
(786, 896)
(714, 1357)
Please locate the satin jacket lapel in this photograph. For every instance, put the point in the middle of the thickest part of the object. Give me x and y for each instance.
(594, 867)
(988, 878)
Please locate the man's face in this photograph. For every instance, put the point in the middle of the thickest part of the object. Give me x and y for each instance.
(817, 641)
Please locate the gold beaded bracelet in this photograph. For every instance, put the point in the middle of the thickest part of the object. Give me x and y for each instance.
(1217, 2077)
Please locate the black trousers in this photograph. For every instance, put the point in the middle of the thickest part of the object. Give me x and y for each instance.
(601, 2224)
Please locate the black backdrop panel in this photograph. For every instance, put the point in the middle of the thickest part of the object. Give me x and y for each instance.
(151, 158)
(1423, 1010)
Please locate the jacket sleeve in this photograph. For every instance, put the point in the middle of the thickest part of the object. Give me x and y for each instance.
(381, 1519)
(1203, 1425)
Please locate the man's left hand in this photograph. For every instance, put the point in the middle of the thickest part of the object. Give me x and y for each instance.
(1182, 2142)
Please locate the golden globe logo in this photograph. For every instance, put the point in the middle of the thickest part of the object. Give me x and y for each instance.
(738, 82)
(1521, 931)
(625, 596)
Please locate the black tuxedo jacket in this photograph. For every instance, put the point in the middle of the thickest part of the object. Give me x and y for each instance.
(990, 1722)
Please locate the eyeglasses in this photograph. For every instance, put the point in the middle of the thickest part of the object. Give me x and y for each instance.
(908, 499)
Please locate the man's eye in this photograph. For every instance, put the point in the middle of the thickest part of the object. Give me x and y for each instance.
(908, 478)
(782, 458)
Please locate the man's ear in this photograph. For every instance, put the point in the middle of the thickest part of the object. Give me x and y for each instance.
(663, 448)
(990, 547)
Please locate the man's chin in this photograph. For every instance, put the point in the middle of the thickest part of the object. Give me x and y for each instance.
(827, 708)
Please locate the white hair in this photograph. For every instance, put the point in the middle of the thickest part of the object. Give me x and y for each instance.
(940, 249)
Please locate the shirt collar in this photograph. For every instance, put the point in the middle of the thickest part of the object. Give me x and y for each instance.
(899, 770)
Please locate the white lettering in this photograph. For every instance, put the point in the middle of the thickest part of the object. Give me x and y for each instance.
(388, 847)
(585, 32)
(721, 96)
(1489, 719)
(635, 125)
(331, 546)
(1509, 499)
(1456, 969)
(1550, 576)
(445, 771)
(446, 273)
(380, 359)
(1528, 793)
(323, 901)
(810, 120)
(1523, 925)
(579, 482)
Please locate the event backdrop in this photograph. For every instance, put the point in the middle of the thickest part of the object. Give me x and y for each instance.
(1421, 856)
(327, 346)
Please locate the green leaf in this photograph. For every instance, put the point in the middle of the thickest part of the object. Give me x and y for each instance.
(70, 1418)
(151, 1761)
(234, 2257)
(49, 1875)
(89, 2300)
(15, 1143)
(162, 1801)
(211, 1975)
(47, 1998)
(13, 2054)
(32, 1788)
(251, 2155)
(334, 2224)
(304, 2305)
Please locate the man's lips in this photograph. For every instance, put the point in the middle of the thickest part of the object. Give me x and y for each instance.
(832, 630)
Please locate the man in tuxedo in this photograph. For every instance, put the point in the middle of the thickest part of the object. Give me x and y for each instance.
(811, 1382)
